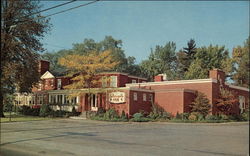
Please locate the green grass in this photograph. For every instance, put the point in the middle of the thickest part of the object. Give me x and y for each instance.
(18, 117)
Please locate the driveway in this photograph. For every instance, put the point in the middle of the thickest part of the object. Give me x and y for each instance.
(84, 137)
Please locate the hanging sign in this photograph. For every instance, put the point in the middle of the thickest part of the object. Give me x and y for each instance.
(117, 97)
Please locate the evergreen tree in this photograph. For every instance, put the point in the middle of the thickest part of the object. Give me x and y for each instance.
(201, 104)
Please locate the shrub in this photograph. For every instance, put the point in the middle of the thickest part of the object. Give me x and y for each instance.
(178, 116)
(245, 116)
(101, 112)
(192, 117)
(212, 117)
(110, 114)
(74, 112)
(138, 117)
(223, 117)
(45, 110)
(123, 116)
(201, 104)
(166, 115)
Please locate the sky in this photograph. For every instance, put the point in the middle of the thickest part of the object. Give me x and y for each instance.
(141, 25)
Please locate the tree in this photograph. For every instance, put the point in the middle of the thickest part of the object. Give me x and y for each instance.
(161, 60)
(207, 58)
(85, 69)
(186, 56)
(241, 64)
(21, 31)
(225, 101)
(201, 104)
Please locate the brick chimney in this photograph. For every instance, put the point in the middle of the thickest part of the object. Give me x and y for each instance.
(43, 66)
(160, 77)
(218, 75)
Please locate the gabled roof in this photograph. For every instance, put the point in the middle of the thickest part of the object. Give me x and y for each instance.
(47, 75)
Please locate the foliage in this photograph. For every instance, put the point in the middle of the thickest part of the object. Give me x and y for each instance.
(108, 115)
(138, 117)
(26, 110)
(74, 112)
(186, 56)
(225, 101)
(123, 116)
(201, 104)
(20, 43)
(245, 116)
(207, 58)
(85, 70)
(8, 103)
(45, 110)
(161, 60)
(126, 64)
(158, 113)
(241, 64)
(192, 117)
(212, 117)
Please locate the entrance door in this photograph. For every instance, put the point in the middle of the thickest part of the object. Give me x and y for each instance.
(93, 102)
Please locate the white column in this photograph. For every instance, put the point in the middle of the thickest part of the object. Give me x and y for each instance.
(63, 96)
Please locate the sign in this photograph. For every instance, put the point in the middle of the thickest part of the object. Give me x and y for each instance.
(117, 97)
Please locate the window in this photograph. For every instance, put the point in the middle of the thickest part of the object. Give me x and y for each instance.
(242, 103)
(59, 83)
(133, 81)
(144, 97)
(40, 99)
(151, 97)
(135, 96)
(113, 82)
(52, 99)
(104, 81)
(59, 99)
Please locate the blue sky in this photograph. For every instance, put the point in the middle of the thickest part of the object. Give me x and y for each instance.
(142, 25)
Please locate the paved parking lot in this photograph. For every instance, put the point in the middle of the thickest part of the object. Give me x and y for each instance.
(84, 137)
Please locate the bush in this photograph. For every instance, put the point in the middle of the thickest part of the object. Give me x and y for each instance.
(245, 116)
(74, 112)
(138, 117)
(45, 110)
(26, 110)
(223, 117)
(110, 114)
(192, 117)
(212, 117)
(166, 115)
(123, 116)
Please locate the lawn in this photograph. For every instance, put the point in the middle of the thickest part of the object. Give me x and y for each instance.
(18, 117)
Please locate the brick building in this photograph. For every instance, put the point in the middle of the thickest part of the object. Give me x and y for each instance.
(131, 94)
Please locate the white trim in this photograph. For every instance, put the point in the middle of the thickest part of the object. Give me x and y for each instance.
(175, 90)
(172, 82)
(237, 87)
(121, 73)
(47, 75)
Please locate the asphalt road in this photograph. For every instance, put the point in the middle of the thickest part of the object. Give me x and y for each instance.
(93, 138)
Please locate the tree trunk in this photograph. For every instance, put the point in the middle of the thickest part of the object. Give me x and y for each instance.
(1, 105)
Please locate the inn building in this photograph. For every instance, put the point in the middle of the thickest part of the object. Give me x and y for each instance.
(130, 94)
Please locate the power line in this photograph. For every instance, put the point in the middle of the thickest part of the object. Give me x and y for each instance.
(62, 11)
(56, 6)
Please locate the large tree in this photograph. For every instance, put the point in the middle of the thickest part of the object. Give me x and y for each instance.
(186, 56)
(161, 60)
(241, 64)
(21, 31)
(85, 70)
(207, 58)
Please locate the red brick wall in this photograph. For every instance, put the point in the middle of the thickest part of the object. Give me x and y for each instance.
(170, 101)
(188, 99)
(139, 104)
